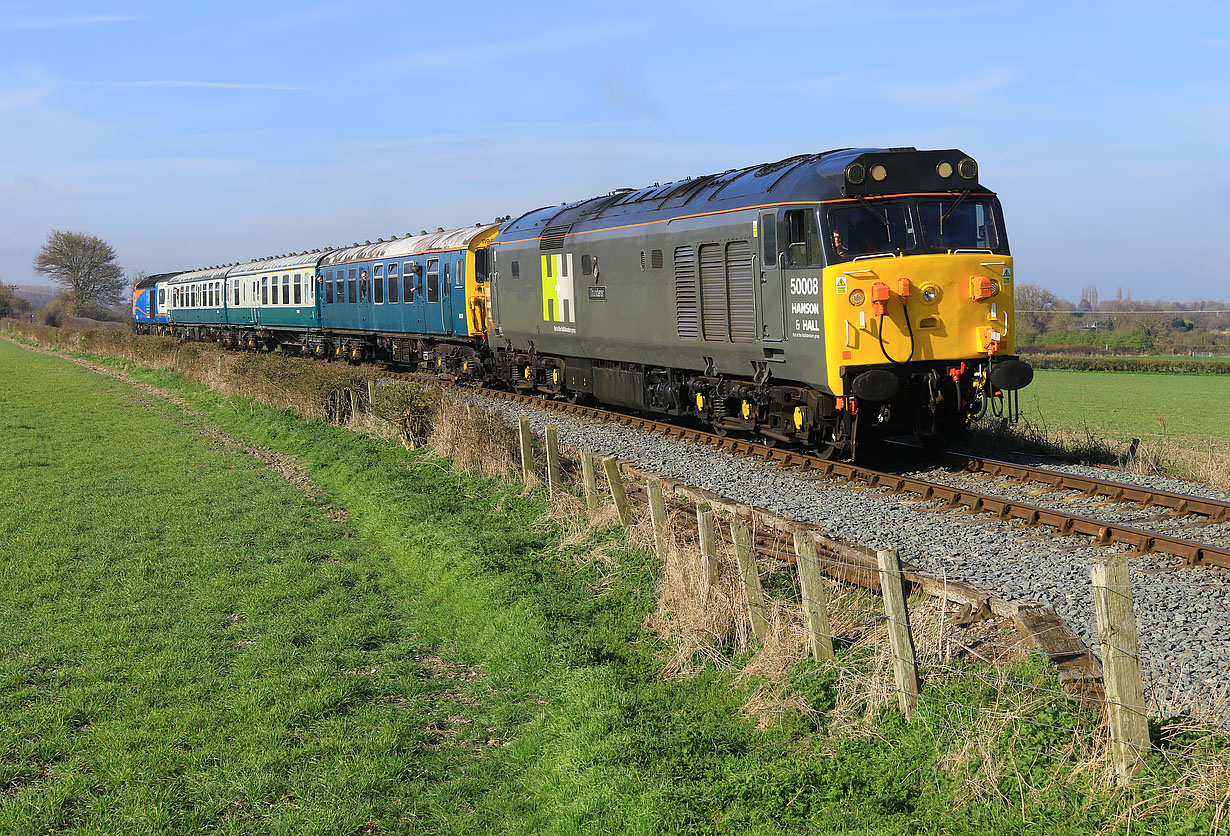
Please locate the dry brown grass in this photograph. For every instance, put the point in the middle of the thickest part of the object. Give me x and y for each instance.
(700, 621)
(1208, 464)
(475, 439)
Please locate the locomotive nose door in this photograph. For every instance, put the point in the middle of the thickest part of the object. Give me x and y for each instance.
(772, 310)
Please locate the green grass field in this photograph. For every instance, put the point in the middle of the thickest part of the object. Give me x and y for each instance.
(362, 641)
(1191, 411)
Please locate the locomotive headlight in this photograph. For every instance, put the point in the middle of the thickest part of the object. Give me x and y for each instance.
(855, 173)
(856, 297)
(878, 173)
(930, 293)
(944, 170)
(967, 168)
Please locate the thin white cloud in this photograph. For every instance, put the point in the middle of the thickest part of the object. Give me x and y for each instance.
(172, 83)
(959, 93)
(64, 22)
(453, 59)
(33, 86)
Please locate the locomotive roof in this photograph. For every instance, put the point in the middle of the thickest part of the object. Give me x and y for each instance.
(150, 281)
(806, 178)
(449, 239)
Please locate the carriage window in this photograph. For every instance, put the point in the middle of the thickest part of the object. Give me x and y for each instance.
(265, 291)
(354, 286)
(286, 289)
(377, 270)
(235, 293)
(298, 288)
(407, 282)
(433, 280)
(341, 287)
(803, 244)
(393, 282)
(329, 290)
(378, 298)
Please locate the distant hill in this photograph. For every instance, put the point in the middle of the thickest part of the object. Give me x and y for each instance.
(37, 295)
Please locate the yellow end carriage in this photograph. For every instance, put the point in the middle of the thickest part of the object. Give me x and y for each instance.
(818, 300)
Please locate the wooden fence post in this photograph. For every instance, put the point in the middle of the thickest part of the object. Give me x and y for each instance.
(1125, 693)
(371, 395)
(657, 515)
(354, 404)
(741, 535)
(708, 550)
(815, 598)
(553, 469)
(589, 480)
(905, 670)
(611, 465)
(527, 448)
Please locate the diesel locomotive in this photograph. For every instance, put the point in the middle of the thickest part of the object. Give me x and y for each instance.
(820, 300)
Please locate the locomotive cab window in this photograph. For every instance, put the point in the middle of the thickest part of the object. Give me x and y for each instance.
(960, 224)
(768, 240)
(872, 228)
(802, 238)
(480, 265)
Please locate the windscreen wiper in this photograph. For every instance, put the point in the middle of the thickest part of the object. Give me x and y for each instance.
(954, 206)
(874, 214)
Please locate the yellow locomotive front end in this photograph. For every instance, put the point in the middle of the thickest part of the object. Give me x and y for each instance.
(917, 309)
(917, 298)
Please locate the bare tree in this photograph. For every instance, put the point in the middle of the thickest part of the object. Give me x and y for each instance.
(85, 266)
(1034, 305)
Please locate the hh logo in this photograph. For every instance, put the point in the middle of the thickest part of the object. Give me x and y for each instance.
(557, 300)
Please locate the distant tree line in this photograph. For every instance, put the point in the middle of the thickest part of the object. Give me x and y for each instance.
(1046, 322)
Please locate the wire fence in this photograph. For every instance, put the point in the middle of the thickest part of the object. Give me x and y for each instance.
(740, 575)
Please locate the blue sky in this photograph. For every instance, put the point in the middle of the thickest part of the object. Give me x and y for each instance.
(190, 135)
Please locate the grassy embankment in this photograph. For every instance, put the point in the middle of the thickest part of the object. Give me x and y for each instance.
(364, 641)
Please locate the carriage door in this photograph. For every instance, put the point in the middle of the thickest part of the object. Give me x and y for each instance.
(446, 294)
(772, 306)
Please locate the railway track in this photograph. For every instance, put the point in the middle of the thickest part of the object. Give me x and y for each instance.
(956, 497)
